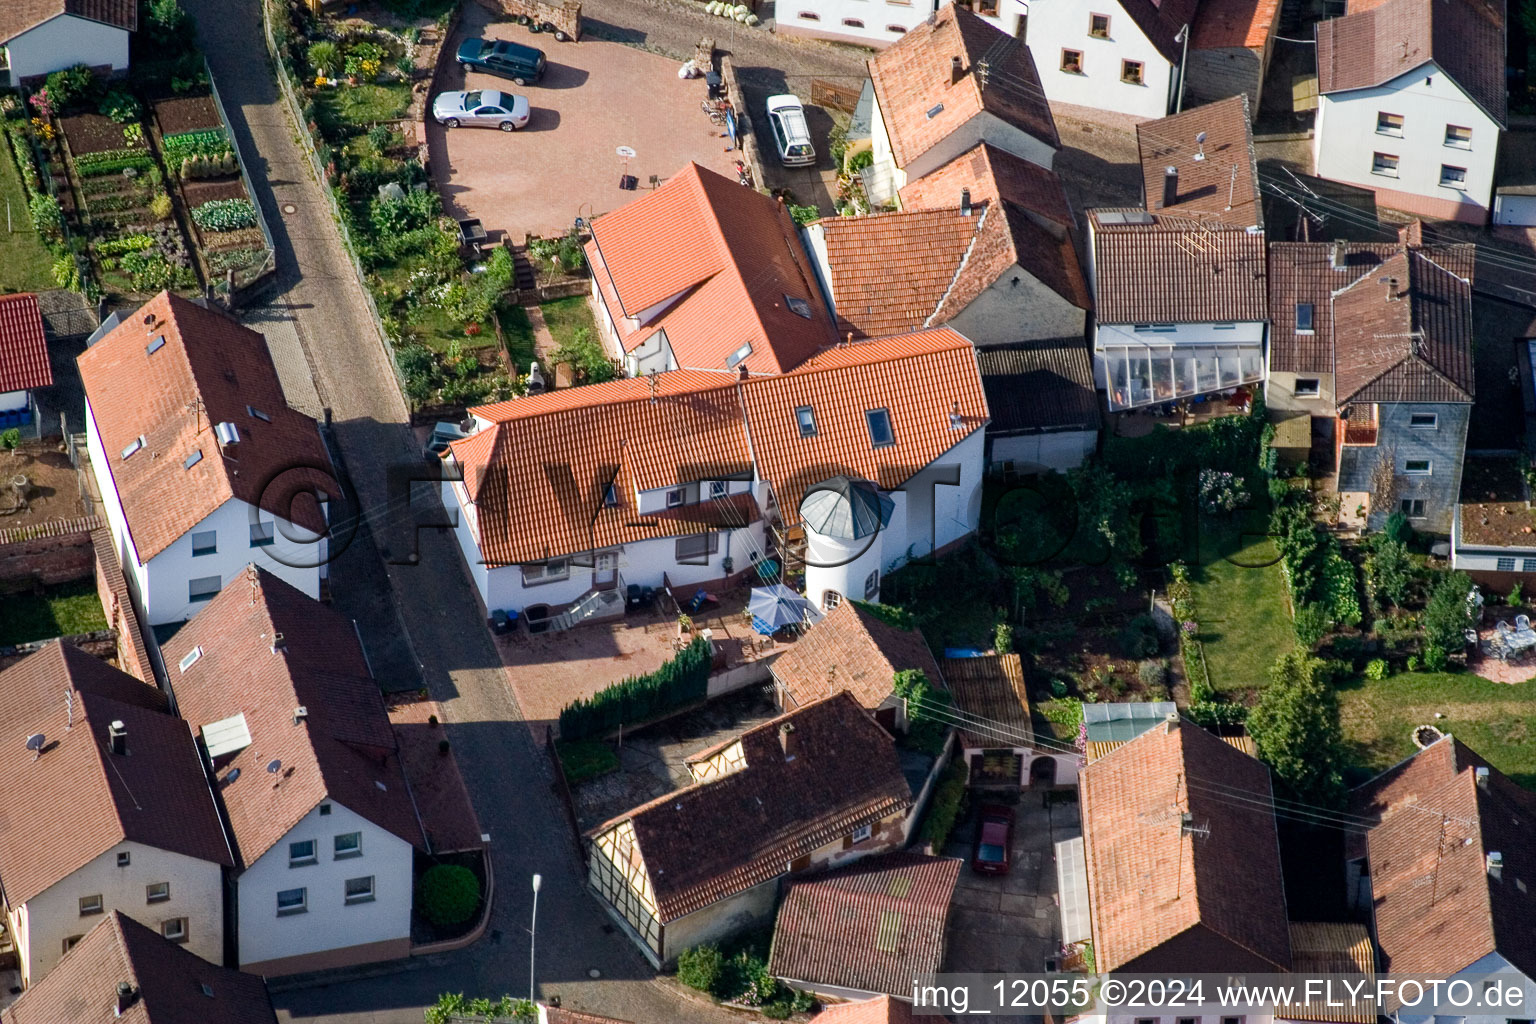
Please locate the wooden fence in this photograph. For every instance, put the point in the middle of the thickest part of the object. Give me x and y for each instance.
(838, 97)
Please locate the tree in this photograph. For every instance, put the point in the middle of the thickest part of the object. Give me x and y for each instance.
(1446, 616)
(928, 714)
(588, 360)
(1296, 728)
(1389, 570)
(1104, 509)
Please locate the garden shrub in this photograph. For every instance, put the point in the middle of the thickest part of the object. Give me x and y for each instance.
(47, 217)
(1296, 728)
(803, 215)
(397, 216)
(160, 206)
(1343, 598)
(1221, 492)
(701, 967)
(1311, 623)
(1445, 616)
(448, 894)
(1389, 570)
(589, 362)
(149, 270)
(71, 86)
(1002, 638)
(1376, 669)
(683, 680)
(120, 106)
(1398, 528)
(323, 58)
(1152, 673)
(1139, 638)
(944, 805)
(928, 714)
(452, 1006)
(225, 215)
(66, 272)
(1209, 714)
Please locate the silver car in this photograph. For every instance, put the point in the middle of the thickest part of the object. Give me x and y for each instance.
(484, 108)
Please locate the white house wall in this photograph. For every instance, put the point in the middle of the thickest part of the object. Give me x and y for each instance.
(1056, 25)
(64, 41)
(982, 128)
(196, 894)
(881, 23)
(1006, 312)
(329, 923)
(1346, 139)
(134, 573)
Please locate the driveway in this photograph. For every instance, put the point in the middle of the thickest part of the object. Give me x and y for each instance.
(596, 96)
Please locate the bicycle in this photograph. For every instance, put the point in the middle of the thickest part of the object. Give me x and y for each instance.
(715, 110)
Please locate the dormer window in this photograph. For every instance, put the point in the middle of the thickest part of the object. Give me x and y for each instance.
(718, 488)
(879, 421)
(806, 417)
(133, 446)
(610, 496)
(799, 307)
(674, 497)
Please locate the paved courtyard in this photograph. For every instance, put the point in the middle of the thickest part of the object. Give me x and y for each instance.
(595, 97)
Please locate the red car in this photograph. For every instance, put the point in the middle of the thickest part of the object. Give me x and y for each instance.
(992, 850)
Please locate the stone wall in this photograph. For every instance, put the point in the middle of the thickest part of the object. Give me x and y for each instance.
(564, 17)
(46, 554)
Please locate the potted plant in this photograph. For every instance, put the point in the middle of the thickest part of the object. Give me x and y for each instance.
(684, 625)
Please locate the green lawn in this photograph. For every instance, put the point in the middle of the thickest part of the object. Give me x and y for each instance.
(359, 106)
(566, 316)
(62, 611)
(24, 262)
(518, 333)
(1245, 621)
(1497, 720)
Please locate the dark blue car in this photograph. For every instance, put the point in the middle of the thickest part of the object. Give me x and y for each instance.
(521, 64)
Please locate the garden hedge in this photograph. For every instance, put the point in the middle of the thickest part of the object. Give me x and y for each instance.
(681, 681)
(448, 894)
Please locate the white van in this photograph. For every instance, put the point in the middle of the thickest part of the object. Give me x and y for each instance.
(790, 133)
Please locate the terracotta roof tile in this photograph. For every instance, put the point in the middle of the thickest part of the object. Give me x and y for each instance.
(913, 77)
(210, 370)
(873, 926)
(714, 839)
(991, 690)
(23, 345)
(990, 173)
(76, 801)
(16, 16)
(1379, 41)
(880, 1010)
(1156, 888)
(1039, 385)
(343, 750)
(890, 270)
(1223, 184)
(852, 649)
(918, 378)
(730, 258)
(1225, 24)
(1176, 270)
(173, 985)
(1437, 824)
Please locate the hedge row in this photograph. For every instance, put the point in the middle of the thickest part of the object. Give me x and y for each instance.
(141, 162)
(681, 681)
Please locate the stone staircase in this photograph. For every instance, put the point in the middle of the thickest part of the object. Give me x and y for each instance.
(594, 604)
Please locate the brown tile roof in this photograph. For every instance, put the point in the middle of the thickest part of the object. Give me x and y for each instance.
(1223, 185)
(879, 1010)
(889, 271)
(991, 690)
(1225, 24)
(77, 801)
(1301, 273)
(16, 16)
(210, 370)
(990, 173)
(1331, 947)
(733, 255)
(1039, 385)
(1437, 909)
(1159, 893)
(913, 77)
(539, 473)
(23, 345)
(1410, 341)
(714, 839)
(1377, 42)
(1175, 270)
(852, 649)
(343, 750)
(917, 377)
(873, 926)
(173, 986)
(1160, 21)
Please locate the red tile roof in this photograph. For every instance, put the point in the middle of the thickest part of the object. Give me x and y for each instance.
(1437, 908)
(23, 345)
(852, 649)
(210, 370)
(1410, 341)
(918, 378)
(1226, 24)
(717, 838)
(77, 800)
(17, 16)
(873, 926)
(343, 749)
(1379, 41)
(538, 475)
(880, 1010)
(727, 258)
(890, 271)
(172, 986)
(1175, 270)
(1218, 179)
(1158, 892)
(913, 78)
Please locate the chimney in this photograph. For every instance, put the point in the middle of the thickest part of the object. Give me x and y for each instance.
(228, 435)
(741, 371)
(1170, 186)
(956, 421)
(279, 645)
(1495, 865)
(117, 737)
(956, 70)
(1171, 722)
(1340, 254)
(965, 202)
(300, 713)
(127, 995)
(1411, 234)
(788, 741)
(1482, 777)
(1392, 293)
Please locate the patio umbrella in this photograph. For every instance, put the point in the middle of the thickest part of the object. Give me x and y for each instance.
(773, 608)
(845, 508)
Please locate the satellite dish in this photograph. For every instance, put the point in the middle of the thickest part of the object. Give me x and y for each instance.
(35, 741)
(1200, 137)
(625, 151)
(274, 766)
(234, 773)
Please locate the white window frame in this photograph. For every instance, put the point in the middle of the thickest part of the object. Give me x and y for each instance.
(1311, 309)
(1379, 167)
(719, 488)
(1407, 507)
(1505, 564)
(1528, 565)
(1460, 186)
(91, 905)
(1314, 391)
(301, 907)
(862, 833)
(805, 420)
(338, 853)
(303, 860)
(710, 542)
(1395, 131)
(157, 892)
(872, 585)
(552, 571)
(1428, 470)
(676, 496)
(1458, 143)
(350, 899)
(174, 929)
(1431, 420)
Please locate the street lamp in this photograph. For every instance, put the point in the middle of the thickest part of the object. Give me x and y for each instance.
(1182, 37)
(533, 932)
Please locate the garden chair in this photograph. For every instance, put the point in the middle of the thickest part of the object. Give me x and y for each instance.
(1522, 622)
(1504, 628)
(1471, 636)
